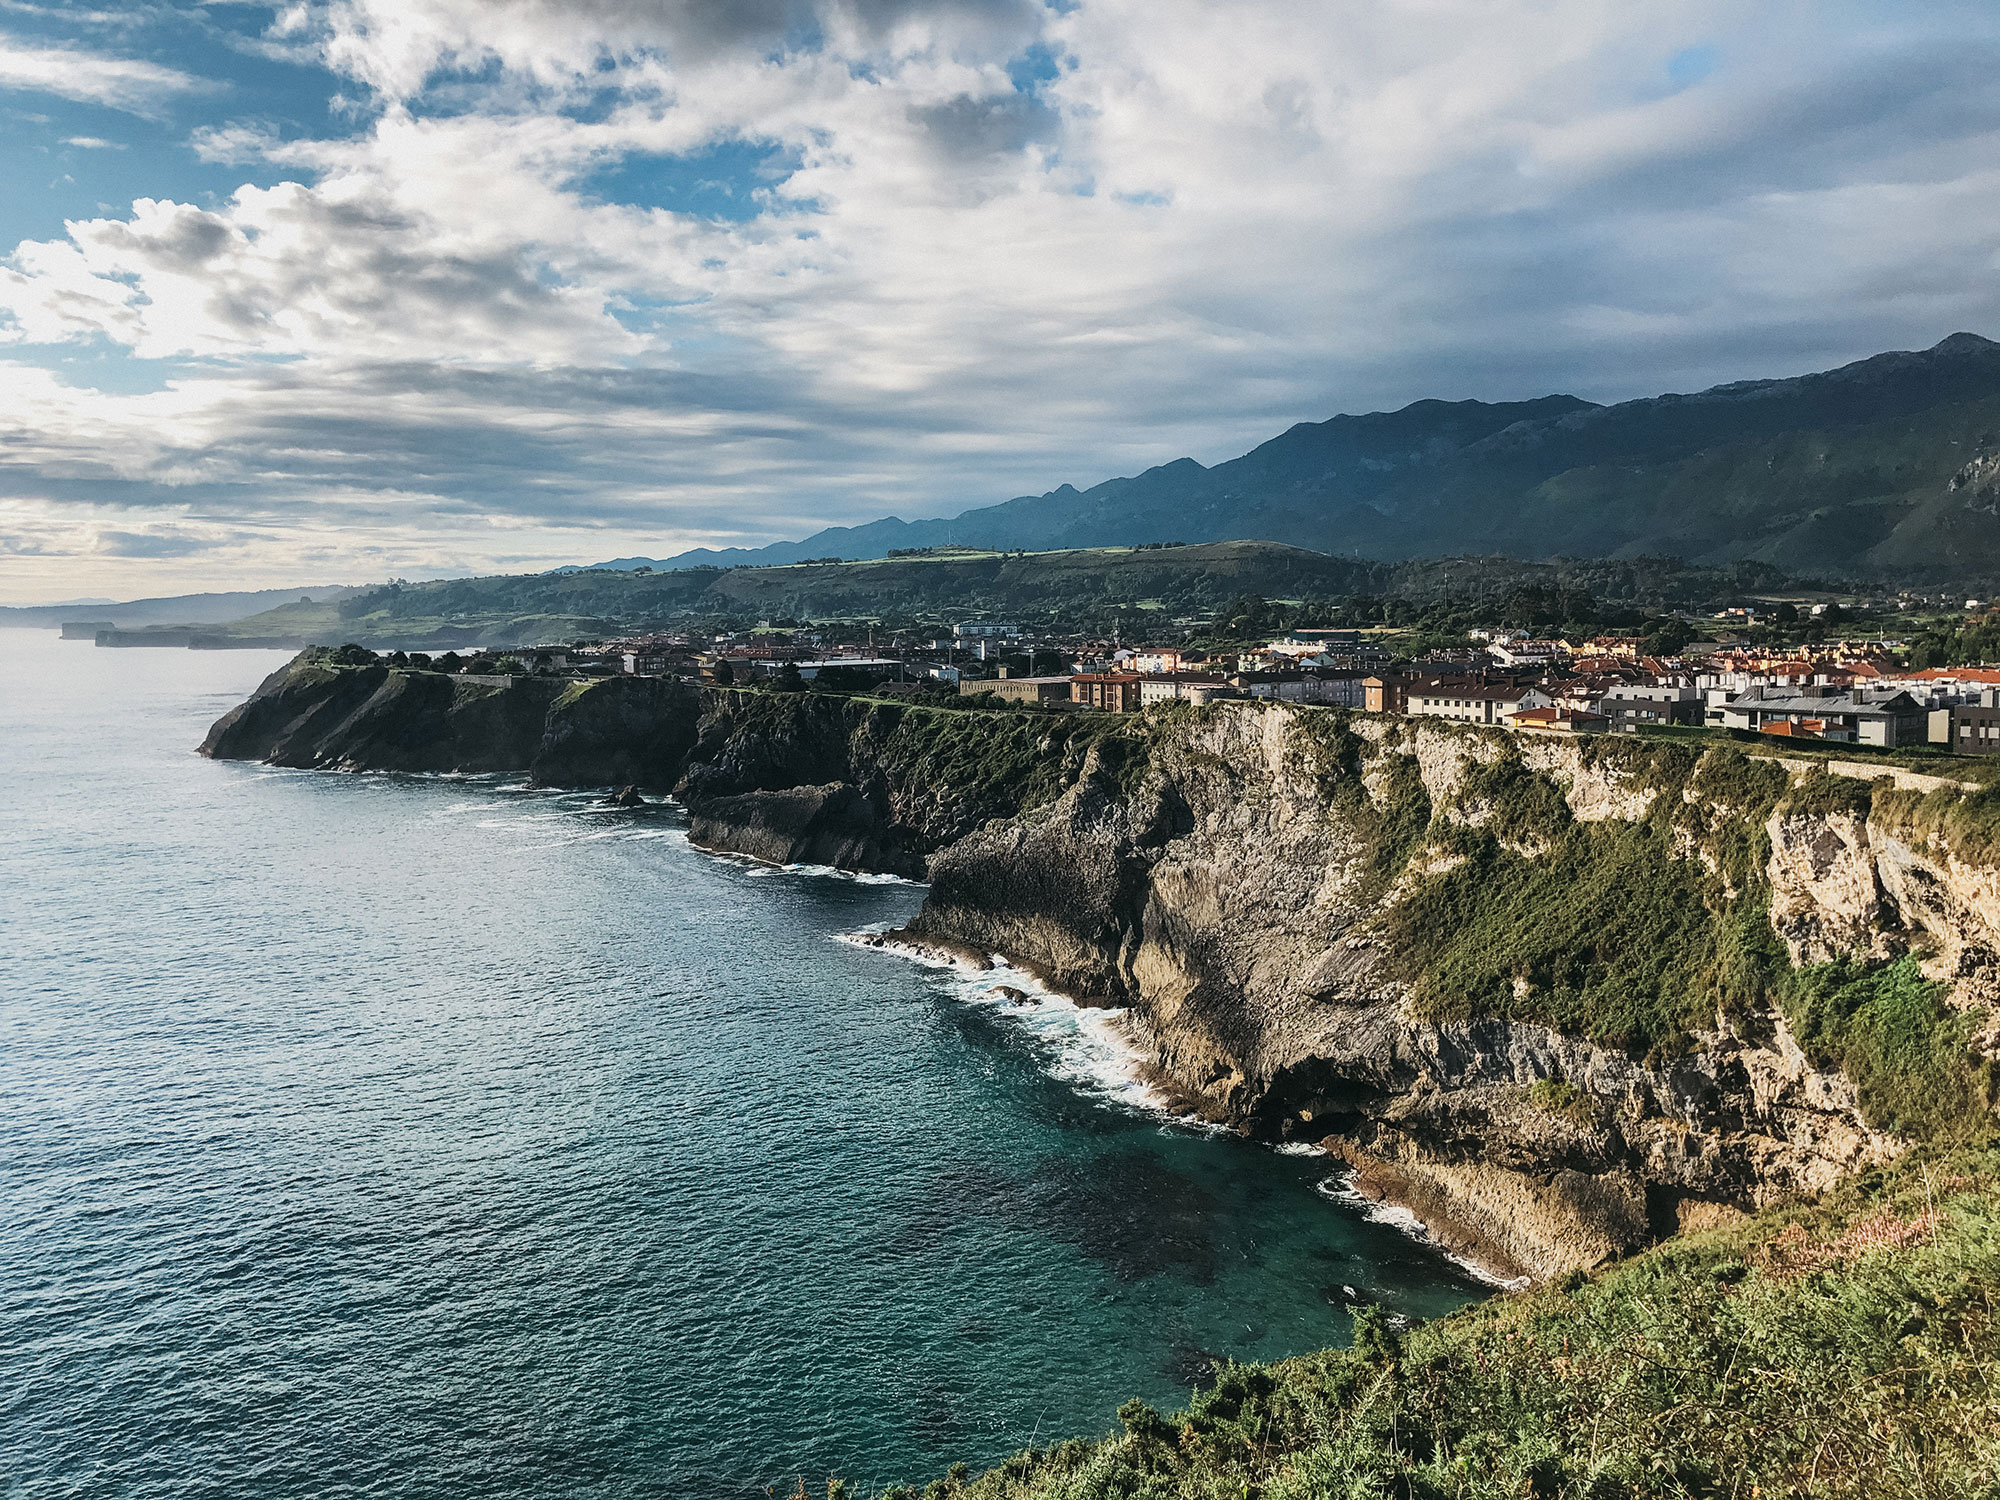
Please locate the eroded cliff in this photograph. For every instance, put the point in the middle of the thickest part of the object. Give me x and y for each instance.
(1562, 997)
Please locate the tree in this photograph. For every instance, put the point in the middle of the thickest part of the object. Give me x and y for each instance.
(725, 675)
(789, 680)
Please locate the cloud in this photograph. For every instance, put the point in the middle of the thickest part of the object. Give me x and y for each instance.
(93, 143)
(974, 250)
(130, 84)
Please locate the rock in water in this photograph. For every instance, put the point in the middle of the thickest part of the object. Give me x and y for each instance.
(626, 796)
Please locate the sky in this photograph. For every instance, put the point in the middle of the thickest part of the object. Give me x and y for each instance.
(341, 290)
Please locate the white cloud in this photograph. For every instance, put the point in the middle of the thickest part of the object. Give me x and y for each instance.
(1211, 222)
(125, 83)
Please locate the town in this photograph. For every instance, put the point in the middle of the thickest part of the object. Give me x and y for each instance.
(1851, 692)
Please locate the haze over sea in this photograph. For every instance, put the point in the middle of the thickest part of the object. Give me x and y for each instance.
(426, 1137)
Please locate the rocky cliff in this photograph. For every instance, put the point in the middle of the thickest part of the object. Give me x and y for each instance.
(1561, 997)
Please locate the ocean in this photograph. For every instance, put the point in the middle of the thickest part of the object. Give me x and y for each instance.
(425, 1136)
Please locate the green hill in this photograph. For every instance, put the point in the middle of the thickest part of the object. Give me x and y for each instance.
(1067, 586)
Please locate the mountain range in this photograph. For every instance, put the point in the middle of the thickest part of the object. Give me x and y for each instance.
(1886, 467)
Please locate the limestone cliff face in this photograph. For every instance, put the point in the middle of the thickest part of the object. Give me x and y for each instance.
(1235, 905)
(1877, 880)
(1290, 904)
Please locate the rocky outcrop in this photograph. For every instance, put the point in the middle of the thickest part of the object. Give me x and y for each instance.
(1242, 877)
(1826, 899)
(309, 716)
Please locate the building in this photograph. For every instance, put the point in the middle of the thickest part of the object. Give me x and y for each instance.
(1549, 719)
(1385, 694)
(877, 667)
(1632, 706)
(1156, 660)
(1342, 689)
(1022, 689)
(1529, 653)
(1473, 703)
(1969, 728)
(973, 630)
(1114, 692)
(1170, 687)
(1896, 719)
(643, 661)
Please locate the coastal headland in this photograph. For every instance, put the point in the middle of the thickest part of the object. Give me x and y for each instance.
(1562, 999)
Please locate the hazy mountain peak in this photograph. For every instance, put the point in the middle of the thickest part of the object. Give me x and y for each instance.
(1963, 343)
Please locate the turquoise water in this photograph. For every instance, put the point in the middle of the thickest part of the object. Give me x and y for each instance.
(373, 1136)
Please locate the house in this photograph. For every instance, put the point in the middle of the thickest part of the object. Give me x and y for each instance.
(1385, 694)
(1552, 720)
(1886, 722)
(1114, 692)
(644, 661)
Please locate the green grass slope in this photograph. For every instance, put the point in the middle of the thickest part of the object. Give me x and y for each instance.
(1847, 1349)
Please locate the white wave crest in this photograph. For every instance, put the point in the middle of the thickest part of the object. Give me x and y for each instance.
(1084, 1046)
(1340, 1190)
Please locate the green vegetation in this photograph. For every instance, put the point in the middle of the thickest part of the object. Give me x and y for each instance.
(1844, 1351)
(1639, 933)
(1968, 825)
(1954, 644)
(1599, 929)
(1888, 1029)
(1020, 759)
(1563, 1099)
(1819, 794)
(1215, 592)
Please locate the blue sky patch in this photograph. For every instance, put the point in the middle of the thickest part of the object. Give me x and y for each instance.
(719, 182)
(1690, 66)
